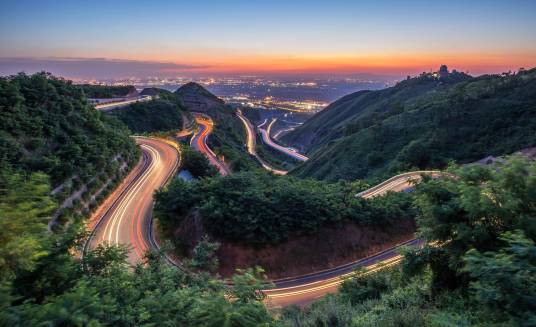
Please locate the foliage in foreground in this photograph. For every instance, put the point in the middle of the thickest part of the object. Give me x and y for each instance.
(43, 284)
(478, 270)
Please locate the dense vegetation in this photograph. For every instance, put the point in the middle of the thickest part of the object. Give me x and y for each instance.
(228, 137)
(259, 208)
(48, 126)
(107, 91)
(422, 122)
(275, 158)
(479, 267)
(42, 281)
(151, 116)
(154, 91)
(43, 284)
(196, 163)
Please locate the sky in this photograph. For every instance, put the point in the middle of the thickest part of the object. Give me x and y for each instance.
(117, 38)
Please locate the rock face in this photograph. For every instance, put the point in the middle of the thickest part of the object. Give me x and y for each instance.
(194, 97)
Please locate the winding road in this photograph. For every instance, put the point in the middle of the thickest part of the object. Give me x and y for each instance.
(121, 104)
(305, 289)
(199, 142)
(125, 217)
(252, 142)
(288, 151)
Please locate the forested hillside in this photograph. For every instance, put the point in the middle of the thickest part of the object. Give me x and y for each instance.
(478, 268)
(48, 126)
(259, 208)
(229, 136)
(423, 122)
(48, 133)
(108, 91)
(151, 116)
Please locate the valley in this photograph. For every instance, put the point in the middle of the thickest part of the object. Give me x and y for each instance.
(249, 201)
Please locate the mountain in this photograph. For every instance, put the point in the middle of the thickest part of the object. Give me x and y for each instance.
(228, 137)
(194, 97)
(422, 122)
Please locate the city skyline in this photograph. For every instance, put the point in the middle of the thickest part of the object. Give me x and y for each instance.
(103, 40)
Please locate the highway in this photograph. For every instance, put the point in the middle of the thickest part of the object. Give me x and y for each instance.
(306, 289)
(399, 183)
(265, 133)
(302, 290)
(199, 142)
(252, 142)
(119, 104)
(125, 217)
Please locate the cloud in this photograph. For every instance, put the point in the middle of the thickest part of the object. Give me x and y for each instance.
(98, 68)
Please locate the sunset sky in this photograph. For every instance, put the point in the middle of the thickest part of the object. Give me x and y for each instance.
(90, 38)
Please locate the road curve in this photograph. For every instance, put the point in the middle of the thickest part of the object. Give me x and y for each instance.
(126, 215)
(199, 142)
(120, 104)
(251, 144)
(307, 288)
(399, 183)
(127, 220)
(265, 133)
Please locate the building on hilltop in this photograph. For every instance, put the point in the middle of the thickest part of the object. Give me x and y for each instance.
(443, 71)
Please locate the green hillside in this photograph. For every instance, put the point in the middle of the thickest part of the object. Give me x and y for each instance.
(229, 135)
(108, 91)
(423, 122)
(152, 116)
(154, 91)
(48, 126)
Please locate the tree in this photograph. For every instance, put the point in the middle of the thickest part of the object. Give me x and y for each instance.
(505, 280)
(204, 255)
(196, 163)
(247, 285)
(25, 210)
(471, 212)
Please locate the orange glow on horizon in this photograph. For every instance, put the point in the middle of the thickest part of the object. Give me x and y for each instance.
(225, 62)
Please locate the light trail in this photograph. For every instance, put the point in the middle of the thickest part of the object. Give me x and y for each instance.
(251, 144)
(265, 133)
(128, 219)
(199, 142)
(305, 289)
(120, 104)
